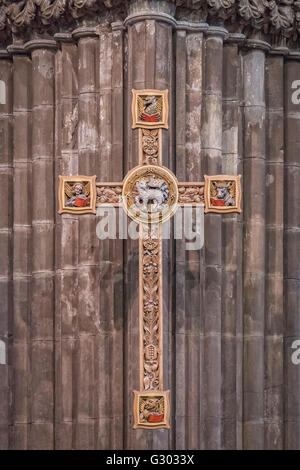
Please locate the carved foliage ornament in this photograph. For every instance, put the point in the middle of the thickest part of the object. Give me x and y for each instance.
(109, 193)
(276, 17)
(150, 146)
(191, 193)
(150, 249)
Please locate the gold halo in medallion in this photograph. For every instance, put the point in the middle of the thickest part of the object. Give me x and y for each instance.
(150, 194)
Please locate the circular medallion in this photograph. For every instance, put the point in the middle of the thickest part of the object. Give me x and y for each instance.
(150, 194)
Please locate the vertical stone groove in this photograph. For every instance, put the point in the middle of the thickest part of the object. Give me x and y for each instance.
(6, 222)
(43, 206)
(87, 346)
(66, 253)
(212, 161)
(291, 258)
(274, 321)
(231, 250)
(189, 299)
(254, 247)
(22, 249)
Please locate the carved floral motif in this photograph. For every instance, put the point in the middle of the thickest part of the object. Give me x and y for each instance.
(150, 146)
(151, 263)
(109, 194)
(274, 17)
(190, 194)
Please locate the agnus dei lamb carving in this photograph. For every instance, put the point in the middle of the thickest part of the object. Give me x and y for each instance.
(153, 191)
(150, 194)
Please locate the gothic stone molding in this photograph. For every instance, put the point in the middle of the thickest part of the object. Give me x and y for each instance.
(278, 21)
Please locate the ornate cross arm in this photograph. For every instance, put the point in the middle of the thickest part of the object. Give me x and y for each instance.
(218, 193)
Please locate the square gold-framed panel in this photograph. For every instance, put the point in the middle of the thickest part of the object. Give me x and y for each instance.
(222, 193)
(150, 109)
(77, 194)
(151, 409)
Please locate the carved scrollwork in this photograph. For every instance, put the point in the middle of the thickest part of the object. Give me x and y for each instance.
(150, 146)
(79, 8)
(191, 194)
(279, 18)
(251, 9)
(221, 6)
(151, 262)
(3, 15)
(22, 13)
(281, 15)
(109, 194)
(51, 9)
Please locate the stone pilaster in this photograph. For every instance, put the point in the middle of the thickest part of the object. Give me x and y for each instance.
(232, 234)
(43, 206)
(66, 238)
(212, 164)
(254, 243)
(110, 403)
(22, 263)
(291, 252)
(6, 223)
(88, 338)
(189, 264)
(274, 320)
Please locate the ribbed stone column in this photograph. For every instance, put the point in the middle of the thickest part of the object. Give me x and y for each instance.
(42, 287)
(87, 344)
(274, 320)
(22, 246)
(232, 233)
(291, 252)
(149, 64)
(110, 399)
(212, 161)
(66, 236)
(6, 221)
(254, 243)
(188, 292)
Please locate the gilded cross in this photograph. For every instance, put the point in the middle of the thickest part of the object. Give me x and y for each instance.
(150, 194)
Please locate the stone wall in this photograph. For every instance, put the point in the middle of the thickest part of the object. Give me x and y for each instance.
(69, 302)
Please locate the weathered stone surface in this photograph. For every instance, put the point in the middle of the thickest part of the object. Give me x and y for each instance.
(69, 302)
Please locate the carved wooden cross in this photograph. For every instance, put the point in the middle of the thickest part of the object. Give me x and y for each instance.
(150, 194)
